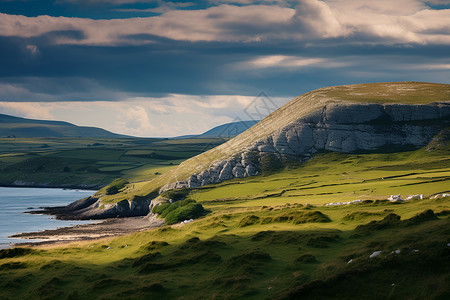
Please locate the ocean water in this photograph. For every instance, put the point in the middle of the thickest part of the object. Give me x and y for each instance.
(14, 202)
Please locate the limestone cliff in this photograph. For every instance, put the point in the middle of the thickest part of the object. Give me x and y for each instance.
(339, 127)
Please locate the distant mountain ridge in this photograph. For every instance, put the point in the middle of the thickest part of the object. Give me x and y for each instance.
(227, 130)
(11, 126)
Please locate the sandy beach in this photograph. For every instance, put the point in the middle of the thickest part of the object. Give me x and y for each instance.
(104, 229)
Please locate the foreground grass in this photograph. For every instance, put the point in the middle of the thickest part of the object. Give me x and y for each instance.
(289, 251)
(262, 240)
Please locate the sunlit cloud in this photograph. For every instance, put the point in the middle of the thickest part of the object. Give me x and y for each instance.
(169, 116)
(403, 21)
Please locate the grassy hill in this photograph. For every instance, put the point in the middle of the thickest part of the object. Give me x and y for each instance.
(384, 93)
(17, 127)
(272, 237)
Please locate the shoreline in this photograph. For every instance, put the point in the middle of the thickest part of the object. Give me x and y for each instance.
(93, 188)
(88, 232)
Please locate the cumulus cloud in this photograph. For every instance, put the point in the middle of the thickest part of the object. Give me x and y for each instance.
(222, 23)
(383, 21)
(317, 18)
(33, 110)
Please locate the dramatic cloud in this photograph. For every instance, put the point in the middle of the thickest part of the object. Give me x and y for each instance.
(156, 67)
(405, 21)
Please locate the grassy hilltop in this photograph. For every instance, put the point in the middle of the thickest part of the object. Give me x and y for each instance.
(271, 236)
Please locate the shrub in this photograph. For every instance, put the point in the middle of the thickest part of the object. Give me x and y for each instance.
(180, 211)
(116, 186)
(177, 194)
(248, 220)
(186, 212)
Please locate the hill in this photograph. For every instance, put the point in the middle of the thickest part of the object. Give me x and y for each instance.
(17, 127)
(374, 118)
(228, 130)
(224, 131)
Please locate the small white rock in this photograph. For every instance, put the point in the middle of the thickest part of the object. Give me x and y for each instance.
(376, 253)
(396, 251)
(351, 260)
(415, 250)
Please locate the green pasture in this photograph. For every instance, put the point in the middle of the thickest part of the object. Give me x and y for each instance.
(334, 177)
(90, 162)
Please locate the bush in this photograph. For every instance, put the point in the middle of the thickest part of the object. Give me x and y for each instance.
(177, 194)
(116, 186)
(180, 211)
(160, 208)
(189, 211)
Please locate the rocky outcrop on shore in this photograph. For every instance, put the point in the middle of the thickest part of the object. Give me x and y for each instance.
(339, 127)
(91, 208)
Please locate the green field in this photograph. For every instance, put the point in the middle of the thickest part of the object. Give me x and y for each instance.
(89, 162)
(271, 237)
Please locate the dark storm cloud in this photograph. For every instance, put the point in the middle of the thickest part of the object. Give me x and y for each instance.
(282, 47)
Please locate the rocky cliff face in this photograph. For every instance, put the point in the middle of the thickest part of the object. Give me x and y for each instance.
(339, 127)
(91, 208)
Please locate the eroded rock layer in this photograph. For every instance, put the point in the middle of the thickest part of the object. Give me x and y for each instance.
(338, 127)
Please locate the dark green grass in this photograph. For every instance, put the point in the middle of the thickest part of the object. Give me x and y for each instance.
(298, 263)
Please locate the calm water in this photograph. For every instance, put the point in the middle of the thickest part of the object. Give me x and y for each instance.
(15, 201)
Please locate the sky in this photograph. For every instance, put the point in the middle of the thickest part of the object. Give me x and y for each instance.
(153, 68)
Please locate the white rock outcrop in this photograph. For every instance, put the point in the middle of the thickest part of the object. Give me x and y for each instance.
(339, 127)
(375, 254)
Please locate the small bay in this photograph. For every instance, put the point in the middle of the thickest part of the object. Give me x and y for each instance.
(14, 202)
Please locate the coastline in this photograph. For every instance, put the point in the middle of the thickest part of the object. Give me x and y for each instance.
(93, 187)
(105, 229)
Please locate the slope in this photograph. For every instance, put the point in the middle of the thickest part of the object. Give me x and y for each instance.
(370, 101)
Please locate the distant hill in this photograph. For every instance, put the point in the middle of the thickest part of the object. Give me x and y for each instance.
(228, 130)
(11, 126)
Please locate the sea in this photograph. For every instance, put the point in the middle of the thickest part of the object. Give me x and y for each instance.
(15, 202)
